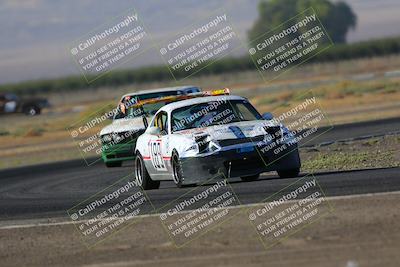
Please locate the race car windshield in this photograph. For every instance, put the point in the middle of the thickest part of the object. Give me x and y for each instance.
(148, 109)
(213, 113)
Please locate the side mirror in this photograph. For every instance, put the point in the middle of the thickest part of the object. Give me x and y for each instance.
(154, 130)
(267, 116)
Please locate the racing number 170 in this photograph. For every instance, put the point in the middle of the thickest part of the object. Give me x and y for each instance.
(156, 156)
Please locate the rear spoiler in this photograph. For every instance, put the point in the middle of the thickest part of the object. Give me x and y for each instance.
(175, 98)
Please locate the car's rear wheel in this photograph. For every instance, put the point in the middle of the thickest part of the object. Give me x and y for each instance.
(291, 173)
(114, 164)
(142, 177)
(250, 178)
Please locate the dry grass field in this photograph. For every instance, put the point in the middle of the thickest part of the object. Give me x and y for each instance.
(347, 91)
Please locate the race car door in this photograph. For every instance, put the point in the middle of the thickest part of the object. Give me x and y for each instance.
(158, 147)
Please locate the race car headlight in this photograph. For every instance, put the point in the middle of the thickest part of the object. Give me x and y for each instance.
(287, 134)
(213, 146)
(206, 144)
(192, 148)
(202, 142)
(106, 138)
(275, 132)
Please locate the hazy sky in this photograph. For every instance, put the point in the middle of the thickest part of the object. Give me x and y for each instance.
(35, 34)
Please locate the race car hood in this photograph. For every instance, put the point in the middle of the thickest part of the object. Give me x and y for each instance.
(123, 125)
(241, 129)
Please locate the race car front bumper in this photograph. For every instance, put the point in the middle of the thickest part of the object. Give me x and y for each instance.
(238, 163)
(119, 152)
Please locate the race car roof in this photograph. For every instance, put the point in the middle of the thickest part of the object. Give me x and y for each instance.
(189, 102)
(159, 90)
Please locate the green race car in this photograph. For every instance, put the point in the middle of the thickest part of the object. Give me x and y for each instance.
(119, 138)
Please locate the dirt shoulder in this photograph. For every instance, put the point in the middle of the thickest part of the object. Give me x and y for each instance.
(376, 152)
(360, 231)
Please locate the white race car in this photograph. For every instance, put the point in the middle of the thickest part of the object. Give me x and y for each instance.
(191, 141)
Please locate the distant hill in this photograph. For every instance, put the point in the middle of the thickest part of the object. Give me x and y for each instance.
(36, 33)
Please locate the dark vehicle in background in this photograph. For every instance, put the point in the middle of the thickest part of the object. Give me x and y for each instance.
(11, 103)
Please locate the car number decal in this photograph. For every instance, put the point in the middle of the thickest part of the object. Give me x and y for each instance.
(156, 156)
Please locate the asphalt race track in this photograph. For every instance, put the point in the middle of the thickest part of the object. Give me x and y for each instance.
(49, 190)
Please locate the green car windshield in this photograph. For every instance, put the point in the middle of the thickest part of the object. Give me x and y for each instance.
(148, 109)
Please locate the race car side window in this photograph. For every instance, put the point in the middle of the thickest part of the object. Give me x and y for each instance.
(11, 97)
(246, 112)
(161, 121)
(120, 112)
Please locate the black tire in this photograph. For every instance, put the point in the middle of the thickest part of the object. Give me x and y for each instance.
(32, 110)
(250, 178)
(114, 164)
(142, 177)
(291, 173)
(177, 170)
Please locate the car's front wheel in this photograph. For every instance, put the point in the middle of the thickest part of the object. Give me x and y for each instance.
(291, 173)
(142, 177)
(177, 170)
(31, 110)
